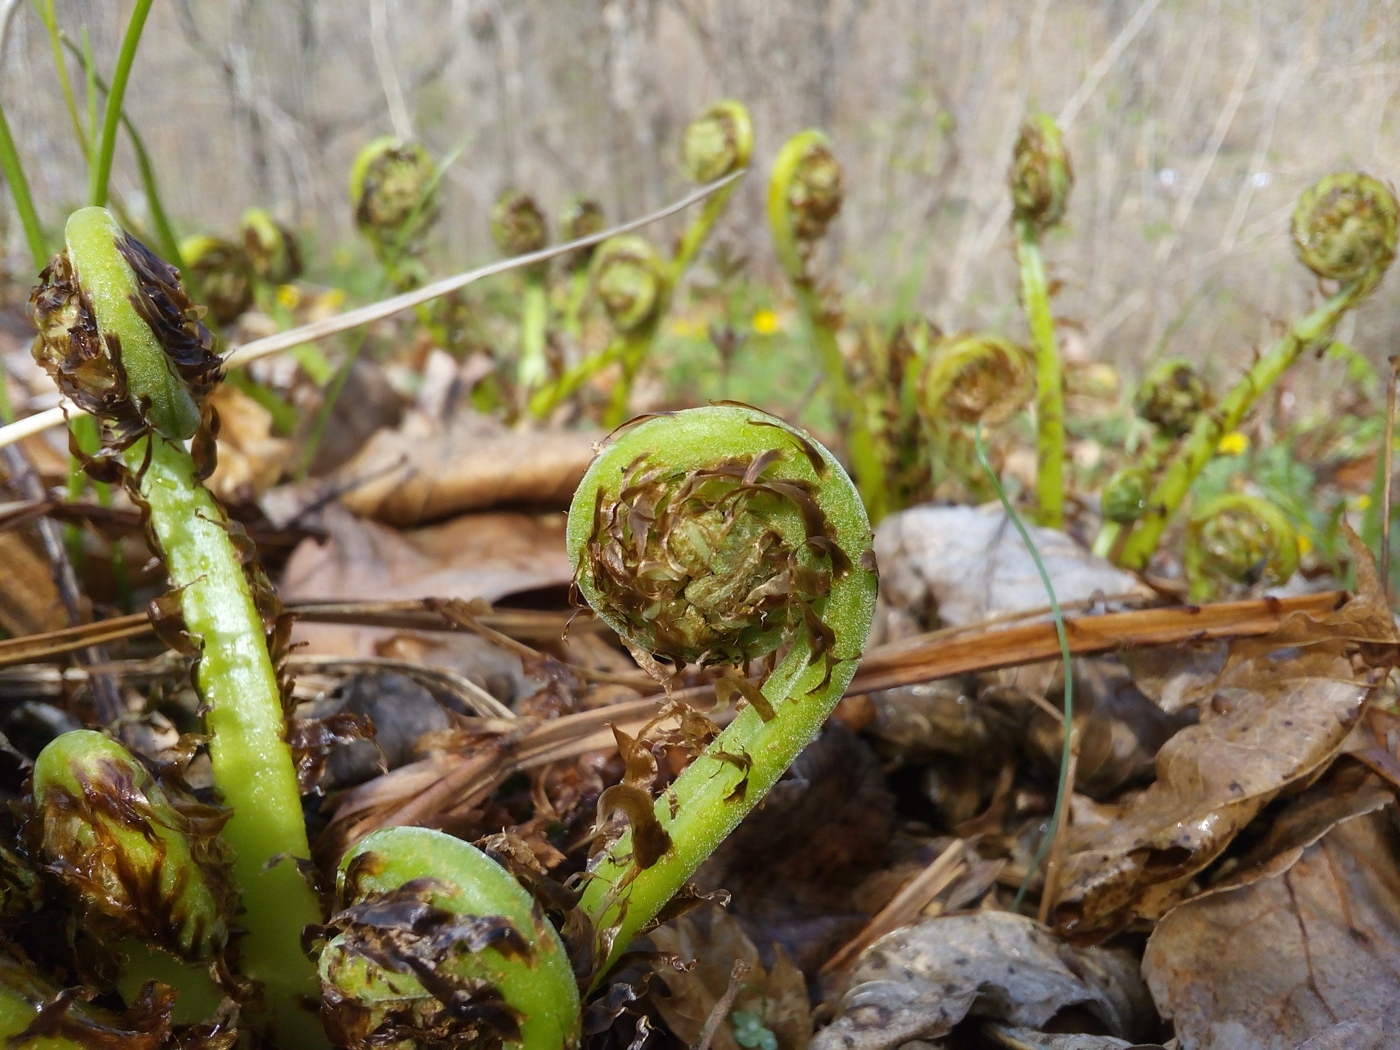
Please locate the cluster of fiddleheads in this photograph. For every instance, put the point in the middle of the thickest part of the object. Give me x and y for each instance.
(633, 281)
(1345, 231)
(117, 333)
(714, 536)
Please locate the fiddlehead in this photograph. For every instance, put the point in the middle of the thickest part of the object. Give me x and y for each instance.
(119, 337)
(517, 224)
(970, 380)
(1171, 397)
(224, 273)
(271, 247)
(518, 228)
(435, 944)
(1041, 176)
(137, 860)
(392, 189)
(716, 143)
(1238, 539)
(1040, 181)
(977, 378)
(1124, 495)
(628, 276)
(716, 536)
(580, 218)
(805, 192)
(1345, 231)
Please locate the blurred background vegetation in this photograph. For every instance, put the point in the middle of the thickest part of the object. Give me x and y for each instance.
(1194, 124)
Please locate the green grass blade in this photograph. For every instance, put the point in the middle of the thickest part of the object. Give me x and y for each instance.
(107, 145)
(1063, 791)
(166, 236)
(13, 169)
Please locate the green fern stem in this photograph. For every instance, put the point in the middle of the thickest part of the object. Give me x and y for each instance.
(1200, 445)
(534, 313)
(804, 194)
(734, 773)
(1049, 396)
(251, 761)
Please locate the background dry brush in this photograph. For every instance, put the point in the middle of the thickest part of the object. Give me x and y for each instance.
(1194, 124)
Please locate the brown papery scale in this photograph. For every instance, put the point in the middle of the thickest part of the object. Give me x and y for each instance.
(690, 562)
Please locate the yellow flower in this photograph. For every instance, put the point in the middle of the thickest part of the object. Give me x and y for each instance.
(1363, 502)
(1233, 444)
(288, 297)
(1304, 544)
(765, 322)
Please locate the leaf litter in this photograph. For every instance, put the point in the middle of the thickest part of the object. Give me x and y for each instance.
(1230, 870)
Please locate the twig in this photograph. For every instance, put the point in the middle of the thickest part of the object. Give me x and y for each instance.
(907, 662)
(725, 1004)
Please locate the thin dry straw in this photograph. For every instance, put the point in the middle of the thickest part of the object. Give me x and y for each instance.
(242, 356)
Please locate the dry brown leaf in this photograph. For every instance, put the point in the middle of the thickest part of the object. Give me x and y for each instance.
(485, 556)
(1310, 956)
(713, 940)
(1120, 729)
(961, 565)
(426, 471)
(366, 406)
(1280, 712)
(29, 601)
(250, 458)
(920, 982)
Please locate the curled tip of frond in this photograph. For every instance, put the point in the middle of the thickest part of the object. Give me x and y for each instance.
(393, 189)
(1240, 539)
(816, 192)
(1041, 176)
(581, 217)
(1344, 228)
(224, 273)
(435, 944)
(717, 142)
(118, 334)
(973, 378)
(703, 537)
(138, 858)
(1124, 496)
(517, 224)
(1171, 396)
(629, 277)
(272, 247)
